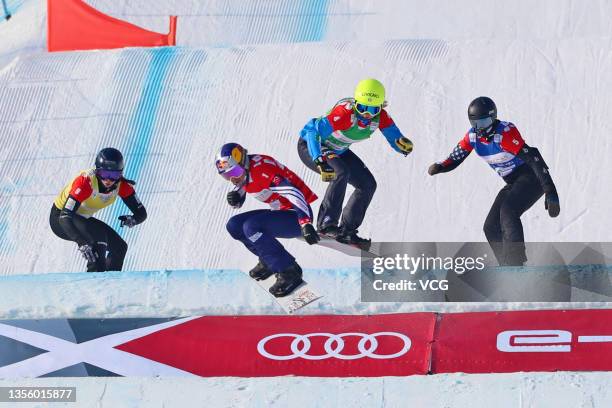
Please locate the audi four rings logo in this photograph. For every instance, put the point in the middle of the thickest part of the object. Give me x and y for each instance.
(334, 345)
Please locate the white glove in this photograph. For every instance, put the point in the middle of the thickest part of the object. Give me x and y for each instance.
(88, 253)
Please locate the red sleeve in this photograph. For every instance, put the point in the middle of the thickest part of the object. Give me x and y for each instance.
(465, 144)
(294, 179)
(385, 120)
(341, 117)
(81, 188)
(125, 189)
(512, 141)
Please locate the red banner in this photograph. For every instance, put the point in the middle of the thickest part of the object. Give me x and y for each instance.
(74, 25)
(541, 340)
(322, 346)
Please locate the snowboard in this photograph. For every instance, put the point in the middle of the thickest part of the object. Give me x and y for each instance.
(301, 296)
(348, 249)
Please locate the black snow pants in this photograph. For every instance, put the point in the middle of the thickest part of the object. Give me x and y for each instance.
(349, 170)
(108, 245)
(503, 227)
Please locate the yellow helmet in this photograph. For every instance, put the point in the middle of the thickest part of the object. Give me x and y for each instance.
(370, 92)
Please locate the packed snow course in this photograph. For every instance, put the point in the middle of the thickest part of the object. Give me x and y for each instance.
(255, 72)
(167, 293)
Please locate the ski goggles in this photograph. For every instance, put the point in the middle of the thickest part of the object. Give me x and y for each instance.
(483, 123)
(225, 163)
(109, 174)
(369, 110)
(228, 170)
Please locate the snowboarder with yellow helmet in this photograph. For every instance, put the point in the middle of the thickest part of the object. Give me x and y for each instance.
(324, 147)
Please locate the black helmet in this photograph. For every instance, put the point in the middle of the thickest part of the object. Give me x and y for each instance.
(109, 159)
(482, 113)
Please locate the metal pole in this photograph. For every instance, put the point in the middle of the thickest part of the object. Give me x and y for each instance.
(7, 15)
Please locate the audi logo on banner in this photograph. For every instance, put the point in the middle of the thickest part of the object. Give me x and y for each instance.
(299, 345)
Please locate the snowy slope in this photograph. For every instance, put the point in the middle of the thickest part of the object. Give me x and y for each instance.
(170, 109)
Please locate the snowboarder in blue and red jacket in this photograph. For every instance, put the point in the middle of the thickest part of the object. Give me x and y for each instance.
(521, 166)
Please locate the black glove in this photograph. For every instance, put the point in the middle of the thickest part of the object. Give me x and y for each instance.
(327, 172)
(310, 234)
(435, 169)
(235, 199)
(88, 253)
(127, 221)
(551, 203)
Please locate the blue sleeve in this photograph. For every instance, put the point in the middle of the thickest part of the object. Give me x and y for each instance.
(315, 130)
(392, 133)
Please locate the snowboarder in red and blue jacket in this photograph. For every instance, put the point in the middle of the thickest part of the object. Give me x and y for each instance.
(289, 216)
(521, 166)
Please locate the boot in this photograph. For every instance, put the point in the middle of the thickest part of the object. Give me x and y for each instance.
(287, 281)
(351, 238)
(260, 271)
(331, 231)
